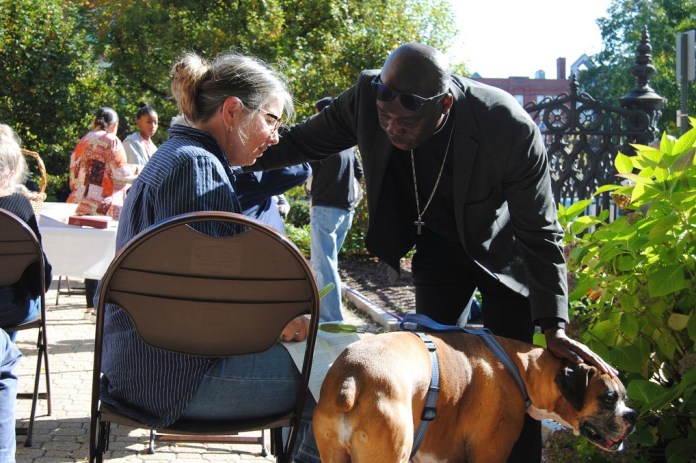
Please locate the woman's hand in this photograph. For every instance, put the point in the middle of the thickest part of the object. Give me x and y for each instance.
(296, 330)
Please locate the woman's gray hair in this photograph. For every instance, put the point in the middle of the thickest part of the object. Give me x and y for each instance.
(13, 166)
(200, 88)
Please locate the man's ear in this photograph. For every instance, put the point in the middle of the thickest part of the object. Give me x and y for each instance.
(572, 381)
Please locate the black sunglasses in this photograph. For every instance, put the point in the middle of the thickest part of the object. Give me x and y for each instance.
(408, 100)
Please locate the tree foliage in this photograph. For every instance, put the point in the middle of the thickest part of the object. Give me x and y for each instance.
(321, 45)
(621, 33)
(50, 79)
(64, 59)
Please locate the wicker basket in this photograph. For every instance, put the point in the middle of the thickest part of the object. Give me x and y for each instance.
(37, 198)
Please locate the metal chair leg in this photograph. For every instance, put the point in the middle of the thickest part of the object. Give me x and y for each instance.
(42, 359)
(151, 445)
(264, 449)
(60, 278)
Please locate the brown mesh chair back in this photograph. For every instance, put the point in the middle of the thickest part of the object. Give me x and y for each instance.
(189, 292)
(20, 248)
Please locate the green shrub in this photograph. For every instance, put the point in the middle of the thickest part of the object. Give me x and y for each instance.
(354, 243)
(634, 292)
(299, 218)
(299, 212)
(299, 236)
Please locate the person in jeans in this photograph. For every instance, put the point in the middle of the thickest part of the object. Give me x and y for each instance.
(335, 193)
(9, 359)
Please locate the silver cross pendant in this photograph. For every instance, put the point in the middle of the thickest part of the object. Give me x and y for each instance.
(418, 223)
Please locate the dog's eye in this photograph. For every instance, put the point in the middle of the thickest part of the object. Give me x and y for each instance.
(609, 399)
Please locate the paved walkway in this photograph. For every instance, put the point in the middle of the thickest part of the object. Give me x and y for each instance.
(64, 436)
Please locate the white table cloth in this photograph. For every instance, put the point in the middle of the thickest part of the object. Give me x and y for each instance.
(74, 251)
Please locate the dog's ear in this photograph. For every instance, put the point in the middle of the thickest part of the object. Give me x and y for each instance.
(573, 381)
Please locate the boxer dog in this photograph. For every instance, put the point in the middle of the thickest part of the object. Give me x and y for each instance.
(373, 396)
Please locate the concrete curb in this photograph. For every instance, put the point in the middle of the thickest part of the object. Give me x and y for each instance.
(380, 316)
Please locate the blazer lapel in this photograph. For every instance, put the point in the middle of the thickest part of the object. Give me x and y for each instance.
(375, 167)
(465, 152)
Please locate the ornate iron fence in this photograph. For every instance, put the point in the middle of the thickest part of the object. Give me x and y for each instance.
(583, 135)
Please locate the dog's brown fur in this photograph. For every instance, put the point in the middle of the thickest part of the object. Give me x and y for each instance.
(373, 396)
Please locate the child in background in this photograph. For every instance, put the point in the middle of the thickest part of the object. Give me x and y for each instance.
(138, 145)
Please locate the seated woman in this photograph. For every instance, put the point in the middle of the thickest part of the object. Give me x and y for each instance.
(257, 191)
(233, 107)
(20, 302)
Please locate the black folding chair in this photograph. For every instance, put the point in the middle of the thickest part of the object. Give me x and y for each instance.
(19, 248)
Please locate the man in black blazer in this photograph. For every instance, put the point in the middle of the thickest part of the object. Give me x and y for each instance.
(457, 169)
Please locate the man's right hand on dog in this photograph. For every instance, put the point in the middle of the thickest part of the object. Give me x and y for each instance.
(558, 342)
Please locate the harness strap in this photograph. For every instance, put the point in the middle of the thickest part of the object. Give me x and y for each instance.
(412, 321)
(430, 408)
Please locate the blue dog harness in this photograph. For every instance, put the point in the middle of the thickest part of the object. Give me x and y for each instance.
(415, 323)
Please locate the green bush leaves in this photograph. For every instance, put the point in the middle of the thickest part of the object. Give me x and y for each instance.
(633, 292)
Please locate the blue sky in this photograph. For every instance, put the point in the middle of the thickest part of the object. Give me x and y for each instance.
(503, 38)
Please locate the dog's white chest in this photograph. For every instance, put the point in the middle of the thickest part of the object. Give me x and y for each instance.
(540, 414)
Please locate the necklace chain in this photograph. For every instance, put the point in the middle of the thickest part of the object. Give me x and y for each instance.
(419, 223)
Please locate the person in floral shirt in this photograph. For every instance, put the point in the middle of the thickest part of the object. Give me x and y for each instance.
(99, 176)
(99, 171)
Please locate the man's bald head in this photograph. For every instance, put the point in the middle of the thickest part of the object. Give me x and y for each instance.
(416, 68)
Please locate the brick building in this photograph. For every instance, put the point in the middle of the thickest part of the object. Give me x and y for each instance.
(527, 90)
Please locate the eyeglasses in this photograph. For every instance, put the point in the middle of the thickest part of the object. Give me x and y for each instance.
(409, 101)
(277, 121)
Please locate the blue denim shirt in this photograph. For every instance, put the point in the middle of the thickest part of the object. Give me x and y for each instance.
(188, 173)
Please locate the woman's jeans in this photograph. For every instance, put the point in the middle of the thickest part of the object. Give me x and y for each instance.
(328, 229)
(12, 314)
(9, 359)
(249, 386)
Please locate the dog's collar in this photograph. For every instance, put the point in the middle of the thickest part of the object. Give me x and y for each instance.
(414, 321)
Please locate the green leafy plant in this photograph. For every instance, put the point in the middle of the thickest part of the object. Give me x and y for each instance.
(299, 212)
(299, 236)
(354, 244)
(632, 289)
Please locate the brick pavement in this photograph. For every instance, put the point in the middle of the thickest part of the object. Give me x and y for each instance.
(64, 436)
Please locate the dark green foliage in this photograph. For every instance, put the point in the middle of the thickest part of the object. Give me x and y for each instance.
(62, 60)
(299, 212)
(355, 240)
(51, 81)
